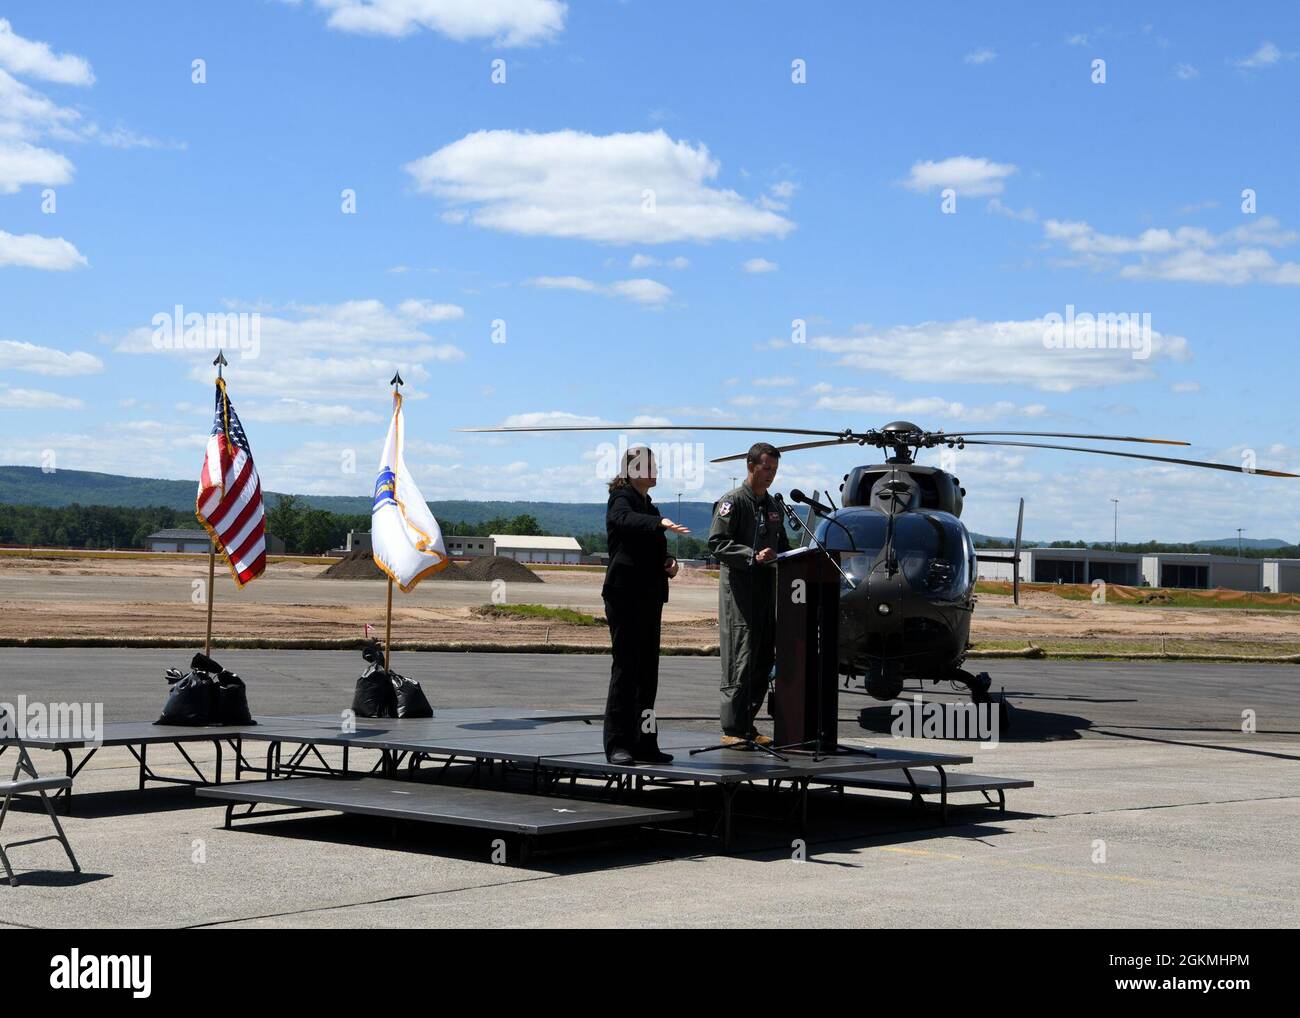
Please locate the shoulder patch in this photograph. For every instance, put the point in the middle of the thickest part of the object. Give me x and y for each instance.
(724, 508)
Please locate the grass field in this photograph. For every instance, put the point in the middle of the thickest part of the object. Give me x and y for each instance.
(1167, 597)
(538, 611)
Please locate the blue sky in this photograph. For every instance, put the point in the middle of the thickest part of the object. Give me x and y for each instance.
(645, 205)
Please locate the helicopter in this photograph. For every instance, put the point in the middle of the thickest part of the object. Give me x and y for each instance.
(908, 563)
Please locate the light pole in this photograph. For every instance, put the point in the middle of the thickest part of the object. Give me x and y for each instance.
(1114, 544)
(679, 520)
(1239, 532)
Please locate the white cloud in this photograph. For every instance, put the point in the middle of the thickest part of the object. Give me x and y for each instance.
(124, 137)
(1025, 215)
(428, 311)
(37, 60)
(1078, 39)
(1187, 254)
(345, 352)
(150, 451)
(1185, 387)
(550, 419)
(776, 381)
(32, 251)
(1008, 352)
(43, 360)
(757, 266)
(644, 261)
(22, 163)
(564, 283)
(1185, 72)
(642, 291)
(1266, 56)
(884, 404)
(980, 56)
(300, 411)
(630, 188)
(36, 399)
(505, 22)
(778, 197)
(647, 292)
(28, 116)
(966, 175)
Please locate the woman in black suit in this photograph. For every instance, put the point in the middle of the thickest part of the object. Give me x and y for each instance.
(635, 590)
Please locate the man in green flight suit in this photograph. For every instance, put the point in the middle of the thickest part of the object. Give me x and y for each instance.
(747, 533)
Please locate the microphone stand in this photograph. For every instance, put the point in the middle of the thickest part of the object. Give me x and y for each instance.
(819, 744)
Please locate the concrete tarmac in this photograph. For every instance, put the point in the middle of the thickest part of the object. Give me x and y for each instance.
(1151, 808)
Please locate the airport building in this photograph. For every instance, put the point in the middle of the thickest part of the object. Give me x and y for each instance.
(196, 542)
(177, 540)
(1189, 570)
(462, 546)
(553, 550)
(546, 550)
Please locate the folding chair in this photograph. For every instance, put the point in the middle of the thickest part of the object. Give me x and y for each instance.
(31, 782)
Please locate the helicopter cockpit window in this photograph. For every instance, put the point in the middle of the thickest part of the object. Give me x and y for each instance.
(932, 553)
(858, 537)
(932, 548)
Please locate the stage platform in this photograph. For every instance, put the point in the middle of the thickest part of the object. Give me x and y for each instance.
(918, 780)
(529, 816)
(498, 746)
(137, 736)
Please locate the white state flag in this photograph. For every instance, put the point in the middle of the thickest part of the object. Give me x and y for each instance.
(405, 538)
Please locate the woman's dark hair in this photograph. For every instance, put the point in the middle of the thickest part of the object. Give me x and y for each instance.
(637, 462)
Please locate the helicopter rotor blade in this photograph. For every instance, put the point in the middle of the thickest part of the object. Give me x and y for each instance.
(1062, 434)
(789, 448)
(1138, 456)
(665, 427)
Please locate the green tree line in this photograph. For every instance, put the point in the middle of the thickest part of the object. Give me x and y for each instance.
(305, 531)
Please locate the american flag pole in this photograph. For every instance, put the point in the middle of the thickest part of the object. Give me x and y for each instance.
(220, 362)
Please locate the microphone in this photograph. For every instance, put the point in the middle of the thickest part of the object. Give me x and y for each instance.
(824, 511)
(786, 511)
(803, 499)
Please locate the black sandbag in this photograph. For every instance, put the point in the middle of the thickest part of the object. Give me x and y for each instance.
(206, 695)
(410, 698)
(205, 664)
(232, 700)
(374, 696)
(192, 699)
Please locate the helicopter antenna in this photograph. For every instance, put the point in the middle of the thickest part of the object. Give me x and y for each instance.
(891, 559)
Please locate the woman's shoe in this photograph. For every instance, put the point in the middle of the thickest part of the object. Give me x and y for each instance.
(653, 755)
(621, 757)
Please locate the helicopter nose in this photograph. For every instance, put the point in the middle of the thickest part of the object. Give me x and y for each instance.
(885, 601)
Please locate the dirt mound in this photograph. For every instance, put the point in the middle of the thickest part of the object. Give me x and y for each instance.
(498, 567)
(355, 565)
(360, 565)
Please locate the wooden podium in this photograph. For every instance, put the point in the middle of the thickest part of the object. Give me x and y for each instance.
(807, 650)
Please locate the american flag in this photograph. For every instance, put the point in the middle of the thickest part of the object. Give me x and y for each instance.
(229, 504)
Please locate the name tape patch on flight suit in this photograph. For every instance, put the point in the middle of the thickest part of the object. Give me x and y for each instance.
(724, 509)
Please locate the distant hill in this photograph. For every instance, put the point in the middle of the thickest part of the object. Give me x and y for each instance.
(1265, 543)
(31, 486)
